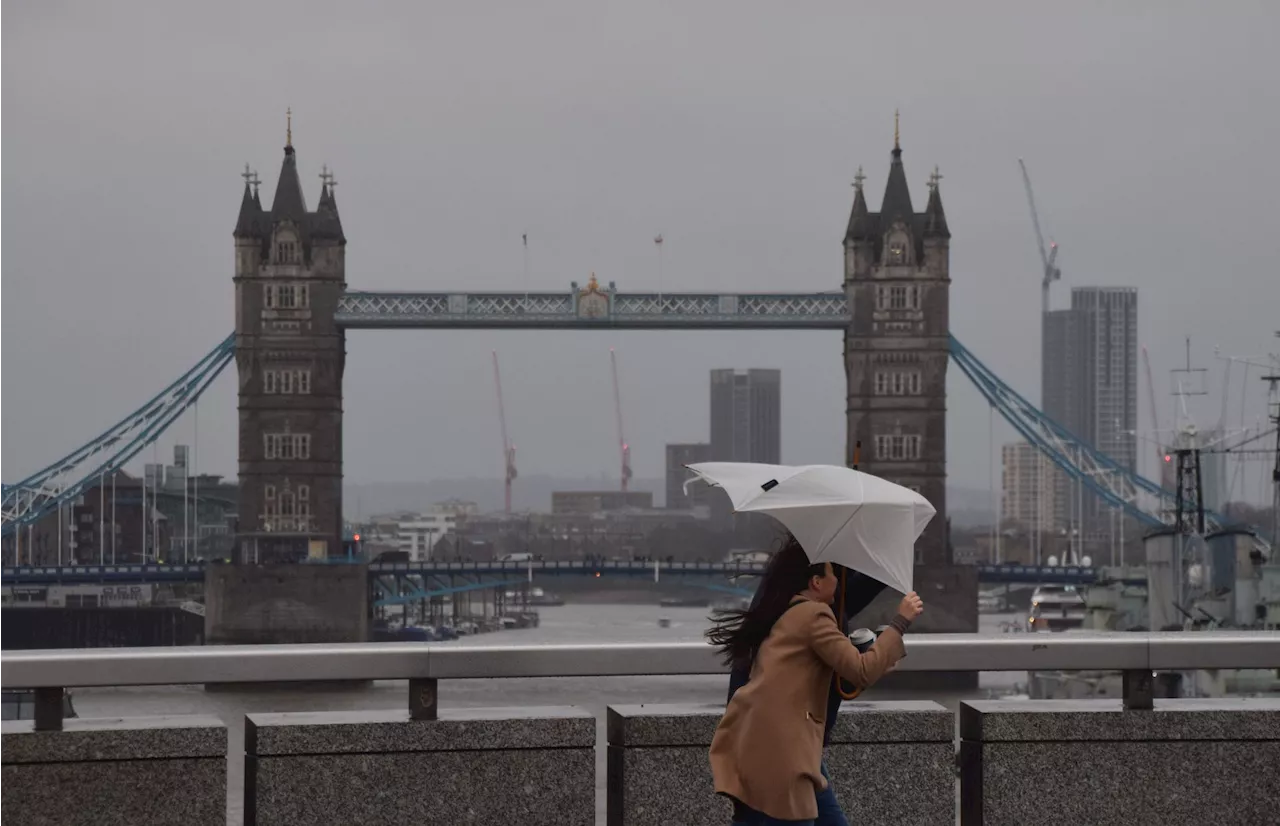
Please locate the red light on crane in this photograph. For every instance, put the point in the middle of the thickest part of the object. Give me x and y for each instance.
(356, 537)
(1167, 458)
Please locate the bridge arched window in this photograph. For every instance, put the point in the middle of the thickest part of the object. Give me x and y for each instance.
(287, 250)
(270, 507)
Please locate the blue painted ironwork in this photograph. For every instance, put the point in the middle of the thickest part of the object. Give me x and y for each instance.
(594, 306)
(1119, 487)
(420, 594)
(569, 567)
(585, 308)
(1049, 575)
(27, 501)
(92, 574)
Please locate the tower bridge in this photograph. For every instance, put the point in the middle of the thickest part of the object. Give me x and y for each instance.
(293, 307)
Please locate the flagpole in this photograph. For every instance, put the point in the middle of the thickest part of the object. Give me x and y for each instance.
(155, 498)
(657, 242)
(195, 473)
(102, 506)
(524, 240)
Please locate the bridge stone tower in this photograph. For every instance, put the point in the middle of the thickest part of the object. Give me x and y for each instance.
(290, 273)
(897, 279)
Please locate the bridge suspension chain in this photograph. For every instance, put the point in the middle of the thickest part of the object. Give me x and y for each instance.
(26, 502)
(1116, 485)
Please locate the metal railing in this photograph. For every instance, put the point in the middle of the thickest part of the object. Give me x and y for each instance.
(1137, 655)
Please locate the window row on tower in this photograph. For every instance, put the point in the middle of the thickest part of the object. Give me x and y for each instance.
(287, 446)
(286, 296)
(286, 381)
(898, 383)
(898, 447)
(898, 297)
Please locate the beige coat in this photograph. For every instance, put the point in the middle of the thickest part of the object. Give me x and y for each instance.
(767, 750)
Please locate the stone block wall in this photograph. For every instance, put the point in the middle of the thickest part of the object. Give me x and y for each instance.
(530, 766)
(890, 763)
(1072, 762)
(152, 771)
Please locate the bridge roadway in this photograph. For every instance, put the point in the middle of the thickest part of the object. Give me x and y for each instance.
(194, 572)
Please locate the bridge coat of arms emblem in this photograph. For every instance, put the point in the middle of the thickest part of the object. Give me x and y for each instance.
(592, 300)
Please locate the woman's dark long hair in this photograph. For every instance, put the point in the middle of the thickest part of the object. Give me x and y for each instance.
(740, 633)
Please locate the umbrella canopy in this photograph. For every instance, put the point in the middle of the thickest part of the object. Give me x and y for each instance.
(837, 514)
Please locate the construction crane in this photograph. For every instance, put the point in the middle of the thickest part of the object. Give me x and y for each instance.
(623, 448)
(508, 449)
(1050, 271)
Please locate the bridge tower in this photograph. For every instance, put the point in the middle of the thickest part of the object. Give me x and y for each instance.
(290, 272)
(897, 279)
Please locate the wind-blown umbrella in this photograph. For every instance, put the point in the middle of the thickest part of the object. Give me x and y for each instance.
(837, 514)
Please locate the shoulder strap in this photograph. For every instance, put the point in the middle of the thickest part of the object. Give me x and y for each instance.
(794, 603)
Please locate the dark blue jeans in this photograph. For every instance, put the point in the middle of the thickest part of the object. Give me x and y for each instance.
(750, 817)
(829, 812)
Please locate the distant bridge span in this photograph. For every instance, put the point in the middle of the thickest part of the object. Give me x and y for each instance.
(88, 574)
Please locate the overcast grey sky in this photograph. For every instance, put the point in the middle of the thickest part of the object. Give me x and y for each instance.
(733, 129)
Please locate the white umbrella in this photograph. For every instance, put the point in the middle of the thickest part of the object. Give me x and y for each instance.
(837, 514)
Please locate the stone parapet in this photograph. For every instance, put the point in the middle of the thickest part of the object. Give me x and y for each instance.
(500, 765)
(1089, 761)
(890, 763)
(133, 772)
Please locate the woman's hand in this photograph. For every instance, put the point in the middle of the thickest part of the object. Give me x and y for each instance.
(911, 606)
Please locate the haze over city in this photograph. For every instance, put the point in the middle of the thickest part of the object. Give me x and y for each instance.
(732, 131)
(404, 407)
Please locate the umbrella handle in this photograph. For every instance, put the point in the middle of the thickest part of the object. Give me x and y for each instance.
(844, 576)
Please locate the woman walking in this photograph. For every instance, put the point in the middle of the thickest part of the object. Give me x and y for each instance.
(766, 755)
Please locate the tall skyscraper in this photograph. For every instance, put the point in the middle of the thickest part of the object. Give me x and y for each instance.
(746, 426)
(1090, 383)
(1027, 486)
(746, 416)
(679, 455)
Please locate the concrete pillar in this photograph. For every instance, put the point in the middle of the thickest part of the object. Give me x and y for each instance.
(1188, 762)
(142, 771)
(890, 763)
(529, 766)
